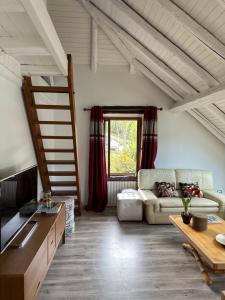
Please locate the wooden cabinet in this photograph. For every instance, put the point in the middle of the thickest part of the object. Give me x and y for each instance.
(23, 270)
(36, 272)
(51, 243)
(59, 228)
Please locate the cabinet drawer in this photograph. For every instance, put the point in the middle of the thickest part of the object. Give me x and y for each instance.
(35, 274)
(60, 225)
(51, 243)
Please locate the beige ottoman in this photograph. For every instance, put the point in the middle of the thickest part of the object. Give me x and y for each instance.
(129, 206)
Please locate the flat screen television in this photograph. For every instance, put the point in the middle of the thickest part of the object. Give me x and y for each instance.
(18, 202)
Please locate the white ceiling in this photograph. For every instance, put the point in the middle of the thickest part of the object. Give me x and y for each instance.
(73, 25)
(22, 36)
(177, 44)
(153, 35)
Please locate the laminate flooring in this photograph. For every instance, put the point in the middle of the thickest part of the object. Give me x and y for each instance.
(106, 260)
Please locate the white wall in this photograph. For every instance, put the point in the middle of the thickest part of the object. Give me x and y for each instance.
(183, 142)
(16, 149)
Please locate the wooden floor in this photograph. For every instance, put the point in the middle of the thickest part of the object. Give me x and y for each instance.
(106, 259)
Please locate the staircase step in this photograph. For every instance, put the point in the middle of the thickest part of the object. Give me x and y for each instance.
(60, 162)
(62, 183)
(71, 180)
(61, 173)
(51, 106)
(58, 150)
(64, 193)
(54, 122)
(64, 137)
(49, 89)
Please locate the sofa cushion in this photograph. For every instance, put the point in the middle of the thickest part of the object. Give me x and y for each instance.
(170, 202)
(148, 177)
(177, 202)
(191, 190)
(203, 202)
(166, 189)
(204, 178)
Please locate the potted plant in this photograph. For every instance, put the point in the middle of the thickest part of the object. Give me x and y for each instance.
(186, 215)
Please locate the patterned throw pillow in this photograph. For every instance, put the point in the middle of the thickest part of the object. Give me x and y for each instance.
(166, 189)
(191, 189)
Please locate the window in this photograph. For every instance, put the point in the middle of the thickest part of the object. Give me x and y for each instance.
(122, 146)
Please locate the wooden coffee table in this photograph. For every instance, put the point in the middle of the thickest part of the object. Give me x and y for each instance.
(203, 246)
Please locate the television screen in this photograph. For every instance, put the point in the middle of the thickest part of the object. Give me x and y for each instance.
(18, 202)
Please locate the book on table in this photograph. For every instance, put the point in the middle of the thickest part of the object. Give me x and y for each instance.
(214, 220)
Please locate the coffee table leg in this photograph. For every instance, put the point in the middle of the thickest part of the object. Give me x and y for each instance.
(187, 246)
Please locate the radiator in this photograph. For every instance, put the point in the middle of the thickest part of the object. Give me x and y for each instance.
(115, 187)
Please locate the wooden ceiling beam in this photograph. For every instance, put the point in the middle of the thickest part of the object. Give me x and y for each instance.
(40, 70)
(115, 40)
(217, 113)
(137, 48)
(118, 41)
(200, 33)
(94, 46)
(208, 125)
(221, 3)
(39, 16)
(136, 65)
(156, 80)
(110, 33)
(212, 95)
(132, 69)
(17, 46)
(207, 79)
(11, 6)
(8, 43)
(28, 51)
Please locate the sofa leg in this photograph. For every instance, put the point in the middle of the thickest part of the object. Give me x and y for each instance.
(199, 262)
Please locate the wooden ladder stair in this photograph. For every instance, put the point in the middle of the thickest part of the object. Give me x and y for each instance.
(38, 137)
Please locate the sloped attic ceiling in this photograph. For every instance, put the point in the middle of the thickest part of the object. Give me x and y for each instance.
(178, 44)
(28, 35)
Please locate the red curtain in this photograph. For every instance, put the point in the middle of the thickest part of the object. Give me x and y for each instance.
(97, 199)
(149, 138)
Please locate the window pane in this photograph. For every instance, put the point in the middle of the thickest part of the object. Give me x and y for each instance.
(123, 146)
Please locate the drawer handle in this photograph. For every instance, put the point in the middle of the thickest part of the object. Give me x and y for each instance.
(38, 284)
(52, 242)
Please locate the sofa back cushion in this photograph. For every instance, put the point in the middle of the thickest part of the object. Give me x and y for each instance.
(148, 177)
(203, 178)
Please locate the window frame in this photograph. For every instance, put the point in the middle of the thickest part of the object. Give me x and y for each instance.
(124, 176)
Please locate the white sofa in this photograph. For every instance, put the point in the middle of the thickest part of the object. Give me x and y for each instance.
(157, 210)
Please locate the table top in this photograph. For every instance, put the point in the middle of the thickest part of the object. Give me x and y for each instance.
(204, 242)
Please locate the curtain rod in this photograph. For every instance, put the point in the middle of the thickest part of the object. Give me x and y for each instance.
(123, 109)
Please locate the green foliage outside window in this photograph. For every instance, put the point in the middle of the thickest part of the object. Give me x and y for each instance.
(123, 146)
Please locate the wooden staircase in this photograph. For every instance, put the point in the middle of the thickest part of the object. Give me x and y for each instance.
(70, 186)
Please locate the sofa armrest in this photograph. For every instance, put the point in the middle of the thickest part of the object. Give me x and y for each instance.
(217, 197)
(149, 198)
(223, 295)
